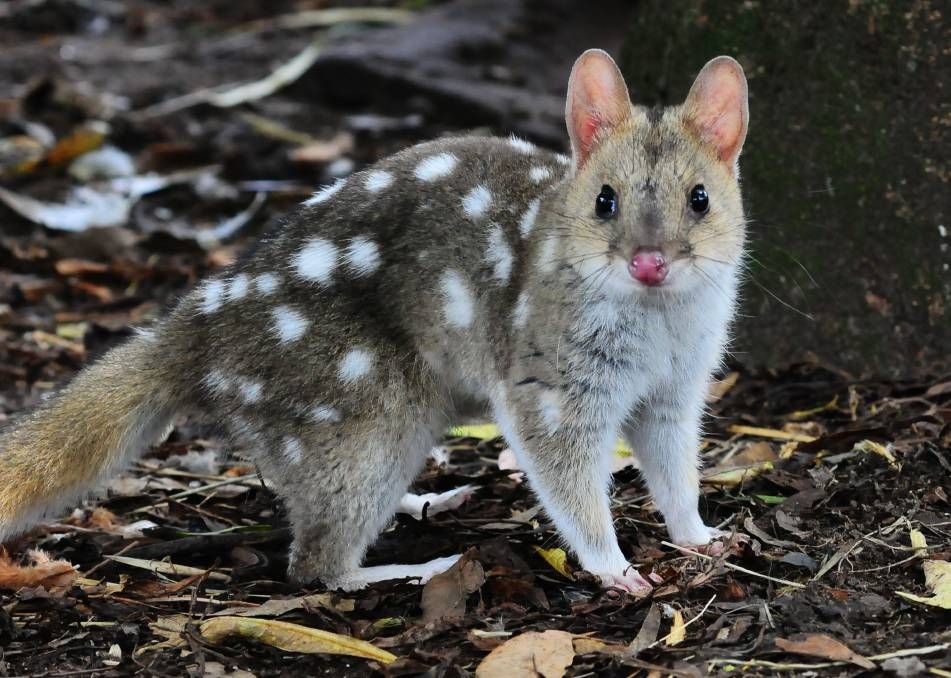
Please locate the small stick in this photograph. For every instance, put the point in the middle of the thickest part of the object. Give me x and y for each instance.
(692, 620)
(195, 490)
(736, 567)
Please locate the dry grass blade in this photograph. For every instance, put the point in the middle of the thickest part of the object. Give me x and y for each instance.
(773, 433)
(731, 566)
(162, 567)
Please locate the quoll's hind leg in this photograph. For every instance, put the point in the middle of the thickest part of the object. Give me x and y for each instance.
(340, 498)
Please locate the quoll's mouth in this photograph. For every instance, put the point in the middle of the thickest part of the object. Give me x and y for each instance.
(648, 266)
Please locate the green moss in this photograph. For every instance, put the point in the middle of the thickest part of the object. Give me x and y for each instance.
(845, 112)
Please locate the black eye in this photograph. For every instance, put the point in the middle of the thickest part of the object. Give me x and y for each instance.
(699, 200)
(605, 206)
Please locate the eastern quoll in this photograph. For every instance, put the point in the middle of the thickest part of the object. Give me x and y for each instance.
(575, 298)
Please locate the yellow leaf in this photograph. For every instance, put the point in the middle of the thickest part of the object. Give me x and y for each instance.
(678, 630)
(480, 431)
(919, 543)
(491, 431)
(292, 637)
(557, 558)
(805, 414)
(877, 448)
(788, 450)
(938, 580)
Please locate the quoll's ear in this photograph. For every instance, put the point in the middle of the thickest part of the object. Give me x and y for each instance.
(597, 102)
(717, 107)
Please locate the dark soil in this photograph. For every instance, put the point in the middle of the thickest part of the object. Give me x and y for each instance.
(831, 518)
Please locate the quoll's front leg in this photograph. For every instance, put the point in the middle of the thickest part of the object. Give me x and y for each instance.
(665, 436)
(569, 473)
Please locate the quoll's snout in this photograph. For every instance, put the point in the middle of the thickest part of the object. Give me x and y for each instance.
(648, 266)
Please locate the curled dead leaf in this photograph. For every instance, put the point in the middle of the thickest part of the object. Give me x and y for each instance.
(938, 581)
(444, 596)
(282, 635)
(825, 647)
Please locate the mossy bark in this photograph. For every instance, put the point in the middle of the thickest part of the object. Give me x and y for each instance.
(845, 170)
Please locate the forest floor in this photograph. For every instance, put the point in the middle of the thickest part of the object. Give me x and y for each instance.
(841, 485)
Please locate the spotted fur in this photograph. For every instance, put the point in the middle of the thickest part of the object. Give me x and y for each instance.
(459, 271)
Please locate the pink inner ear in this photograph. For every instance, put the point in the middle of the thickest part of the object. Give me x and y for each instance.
(724, 132)
(588, 128)
(719, 115)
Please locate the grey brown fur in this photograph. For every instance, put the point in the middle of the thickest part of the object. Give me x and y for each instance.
(419, 289)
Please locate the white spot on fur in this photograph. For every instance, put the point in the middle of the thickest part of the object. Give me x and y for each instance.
(362, 256)
(355, 365)
(378, 180)
(266, 283)
(212, 293)
(436, 167)
(460, 306)
(521, 145)
(326, 193)
(563, 159)
(317, 260)
(527, 222)
(549, 407)
(539, 174)
(238, 287)
(521, 311)
(289, 324)
(499, 254)
(250, 390)
(325, 413)
(292, 450)
(218, 382)
(477, 202)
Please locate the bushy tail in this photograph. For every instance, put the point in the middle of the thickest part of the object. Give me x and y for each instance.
(106, 416)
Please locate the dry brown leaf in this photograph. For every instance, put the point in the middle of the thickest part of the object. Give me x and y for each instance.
(824, 647)
(720, 387)
(530, 655)
(275, 607)
(52, 575)
(648, 632)
(444, 596)
(775, 434)
(736, 476)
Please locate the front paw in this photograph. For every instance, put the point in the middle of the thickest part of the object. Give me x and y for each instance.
(630, 580)
(711, 541)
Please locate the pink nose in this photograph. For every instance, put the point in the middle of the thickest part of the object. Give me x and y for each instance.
(648, 267)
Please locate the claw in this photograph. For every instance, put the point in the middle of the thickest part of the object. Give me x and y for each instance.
(630, 581)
